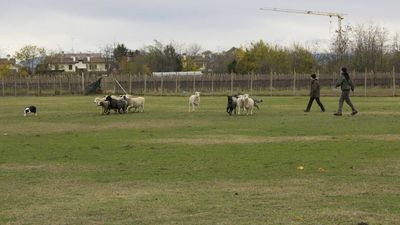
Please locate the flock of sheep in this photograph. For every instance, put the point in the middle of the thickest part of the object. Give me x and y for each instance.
(125, 103)
(120, 104)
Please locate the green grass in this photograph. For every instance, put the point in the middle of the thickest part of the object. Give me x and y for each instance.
(72, 165)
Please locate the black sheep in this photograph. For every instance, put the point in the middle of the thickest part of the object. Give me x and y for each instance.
(118, 105)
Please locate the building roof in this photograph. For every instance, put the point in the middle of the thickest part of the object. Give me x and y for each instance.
(7, 61)
(75, 58)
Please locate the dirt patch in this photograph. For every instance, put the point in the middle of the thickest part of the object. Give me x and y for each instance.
(383, 113)
(381, 137)
(237, 139)
(50, 128)
(49, 168)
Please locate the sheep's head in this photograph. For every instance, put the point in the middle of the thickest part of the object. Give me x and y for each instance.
(197, 93)
(246, 99)
(108, 98)
(97, 100)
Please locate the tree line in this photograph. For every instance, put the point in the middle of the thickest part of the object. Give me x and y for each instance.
(366, 46)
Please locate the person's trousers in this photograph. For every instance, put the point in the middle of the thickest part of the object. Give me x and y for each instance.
(345, 97)
(310, 102)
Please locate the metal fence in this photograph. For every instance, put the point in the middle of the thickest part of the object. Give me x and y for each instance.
(367, 84)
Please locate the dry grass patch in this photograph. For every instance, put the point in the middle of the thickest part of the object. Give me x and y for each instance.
(381, 137)
(381, 113)
(65, 201)
(59, 127)
(236, 139)
(382, 167)
(48, 168)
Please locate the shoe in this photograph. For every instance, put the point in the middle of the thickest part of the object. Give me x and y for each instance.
(354, 113)
(337, 114)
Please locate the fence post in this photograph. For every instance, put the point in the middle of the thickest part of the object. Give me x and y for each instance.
(394, 81)
(270, 83)
(365, 81)
(55, 84)
(194, 83)
(83, 82)
(130, 83)
(15, 85)
(60, 80)
(176, 83)
(27, 85)
(294, 82)
(251, 82)
(162, 83)
(2, 85)
(231, 83)
(144, 85)
(212, 83)
(38, 85)
(69, 85)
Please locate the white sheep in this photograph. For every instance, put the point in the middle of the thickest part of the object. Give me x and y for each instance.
(239, 103)
(248, 104)
(97, 100)
(101, 101)
(136, 103)
(105, 107)
(194, 100)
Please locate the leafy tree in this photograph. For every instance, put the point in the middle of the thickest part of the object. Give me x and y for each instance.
(30, 56)
(163, 58)
(302, 60)
(120, 52)
(4, 70)
(261, 57)
(219, 62)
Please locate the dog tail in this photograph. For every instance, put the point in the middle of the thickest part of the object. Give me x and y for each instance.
(257, 101)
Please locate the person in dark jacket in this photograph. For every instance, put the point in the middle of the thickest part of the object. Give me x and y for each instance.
(345, 85)
(314, 94)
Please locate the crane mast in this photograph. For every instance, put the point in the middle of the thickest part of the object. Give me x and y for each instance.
(339, 16)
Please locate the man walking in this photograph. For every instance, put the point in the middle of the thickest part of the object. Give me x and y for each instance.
(345, 85)
(314, 94)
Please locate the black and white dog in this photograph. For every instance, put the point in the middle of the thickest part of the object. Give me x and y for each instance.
(232, 103)
(30, 110)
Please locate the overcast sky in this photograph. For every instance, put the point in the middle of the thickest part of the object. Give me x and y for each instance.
(216, 25)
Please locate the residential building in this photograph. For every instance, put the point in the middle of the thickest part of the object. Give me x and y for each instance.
(73, 62)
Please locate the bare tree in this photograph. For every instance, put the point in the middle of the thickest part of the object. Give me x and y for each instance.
(340, 46)
(108, 54)
(368, 47)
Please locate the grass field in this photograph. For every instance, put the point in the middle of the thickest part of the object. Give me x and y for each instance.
(71, 165)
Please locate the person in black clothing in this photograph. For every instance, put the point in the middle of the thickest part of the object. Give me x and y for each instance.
(314, 94)
(345, 85)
